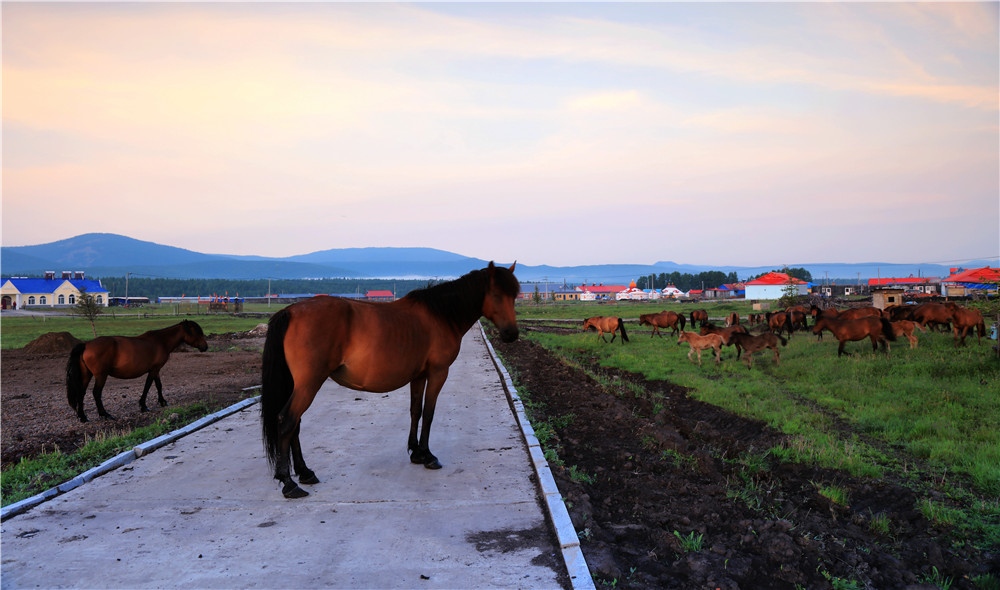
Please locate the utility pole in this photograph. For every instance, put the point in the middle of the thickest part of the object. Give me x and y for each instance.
(126, 288)
(269, 293)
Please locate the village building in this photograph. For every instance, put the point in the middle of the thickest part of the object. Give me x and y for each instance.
(910, 285)
(632, 293)
(671, 291)
(600, 292)
(966, 282)
(22, 293)
(773, 285)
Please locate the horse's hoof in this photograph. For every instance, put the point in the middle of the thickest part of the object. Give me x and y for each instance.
(432, 463)
(143, 409)
(309, 479)
(83, 418)
(109, 417)
(293, 491)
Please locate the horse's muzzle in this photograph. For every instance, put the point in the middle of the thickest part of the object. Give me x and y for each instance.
(509, 334)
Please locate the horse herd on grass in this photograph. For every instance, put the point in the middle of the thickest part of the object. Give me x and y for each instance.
(380, 347)
(846, 325)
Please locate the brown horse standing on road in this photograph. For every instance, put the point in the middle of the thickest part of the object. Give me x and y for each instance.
(699, 343)
(878, 329)
(698, 315)
(376, 347)
(664, 319)
(126, 357)
(753, 344)
(606, 324)
(966, 319)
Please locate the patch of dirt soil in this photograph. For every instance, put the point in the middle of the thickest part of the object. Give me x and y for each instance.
(36, 416)
(672, 472)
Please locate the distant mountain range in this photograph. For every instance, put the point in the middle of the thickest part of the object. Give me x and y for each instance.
(112, 255)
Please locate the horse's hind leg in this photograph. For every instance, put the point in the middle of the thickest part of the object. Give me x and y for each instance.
(159, 390)
(99, 381)
(306, 476)
(420, 452)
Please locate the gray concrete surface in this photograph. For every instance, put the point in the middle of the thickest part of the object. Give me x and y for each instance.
(204, 511)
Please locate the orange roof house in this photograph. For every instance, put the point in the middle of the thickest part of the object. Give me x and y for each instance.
(773, 285)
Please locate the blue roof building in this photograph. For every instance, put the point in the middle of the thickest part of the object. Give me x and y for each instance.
(19, 293)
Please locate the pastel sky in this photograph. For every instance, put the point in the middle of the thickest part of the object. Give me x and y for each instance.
(564, 134)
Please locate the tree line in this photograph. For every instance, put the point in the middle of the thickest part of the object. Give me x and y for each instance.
(160, 287)
(709, 279)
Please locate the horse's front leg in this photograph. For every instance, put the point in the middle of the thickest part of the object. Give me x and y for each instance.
(99, 382)
(159, 389)
(416, 408)
(421, 453)
(145, 392)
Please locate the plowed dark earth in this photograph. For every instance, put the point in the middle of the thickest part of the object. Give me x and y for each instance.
(662, 475)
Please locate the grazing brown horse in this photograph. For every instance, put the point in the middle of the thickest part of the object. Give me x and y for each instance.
(664, 319)
(966, 319)
(933, 313)
(797, 320)
(606, 324)
(778, 321)
(895, 313)
(856, 313)
(725, 333)
(376, 347)
(752, 344)
(699, 343)
(126, 357)
(698, 315)
(877, 328)
(733, 319)
(906, 328)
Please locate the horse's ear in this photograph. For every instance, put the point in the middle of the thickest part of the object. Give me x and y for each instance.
(511, 269)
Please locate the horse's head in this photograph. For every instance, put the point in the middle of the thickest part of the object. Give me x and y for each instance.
(194, 336)
(588, 324)
(498, 304)
(644, 319)
(682, 338)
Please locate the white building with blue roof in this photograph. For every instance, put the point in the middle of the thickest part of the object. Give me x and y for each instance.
(21, 293)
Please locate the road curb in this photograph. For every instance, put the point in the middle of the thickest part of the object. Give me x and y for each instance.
(569, 542)
(124, 458)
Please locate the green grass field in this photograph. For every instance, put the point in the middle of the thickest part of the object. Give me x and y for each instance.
(929, 416)
(15, 332)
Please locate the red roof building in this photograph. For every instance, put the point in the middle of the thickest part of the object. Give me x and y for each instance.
(960, 281)
(380, 296)
(773, 285)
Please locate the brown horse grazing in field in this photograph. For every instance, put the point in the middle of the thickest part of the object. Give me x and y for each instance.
(699, 343)
(856, 313)
(778, 321)
(753, 344)
(376, 347)
(966, 319)
(733, 319)
(725, 333)
(895, 313)
(698, 315)
(797, 320)
(935, 314)
(906, 328)
(606, 324)
(125, 357)
(664, 319)
(878, 329)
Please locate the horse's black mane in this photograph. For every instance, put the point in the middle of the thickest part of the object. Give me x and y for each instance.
(460, 302)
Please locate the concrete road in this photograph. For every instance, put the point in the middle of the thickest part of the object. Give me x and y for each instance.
(204, 511)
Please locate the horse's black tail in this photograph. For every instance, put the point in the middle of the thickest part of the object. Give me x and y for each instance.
(75, 389)
(887, 330)
(680, 320)
(276, 384)
(621, 326)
